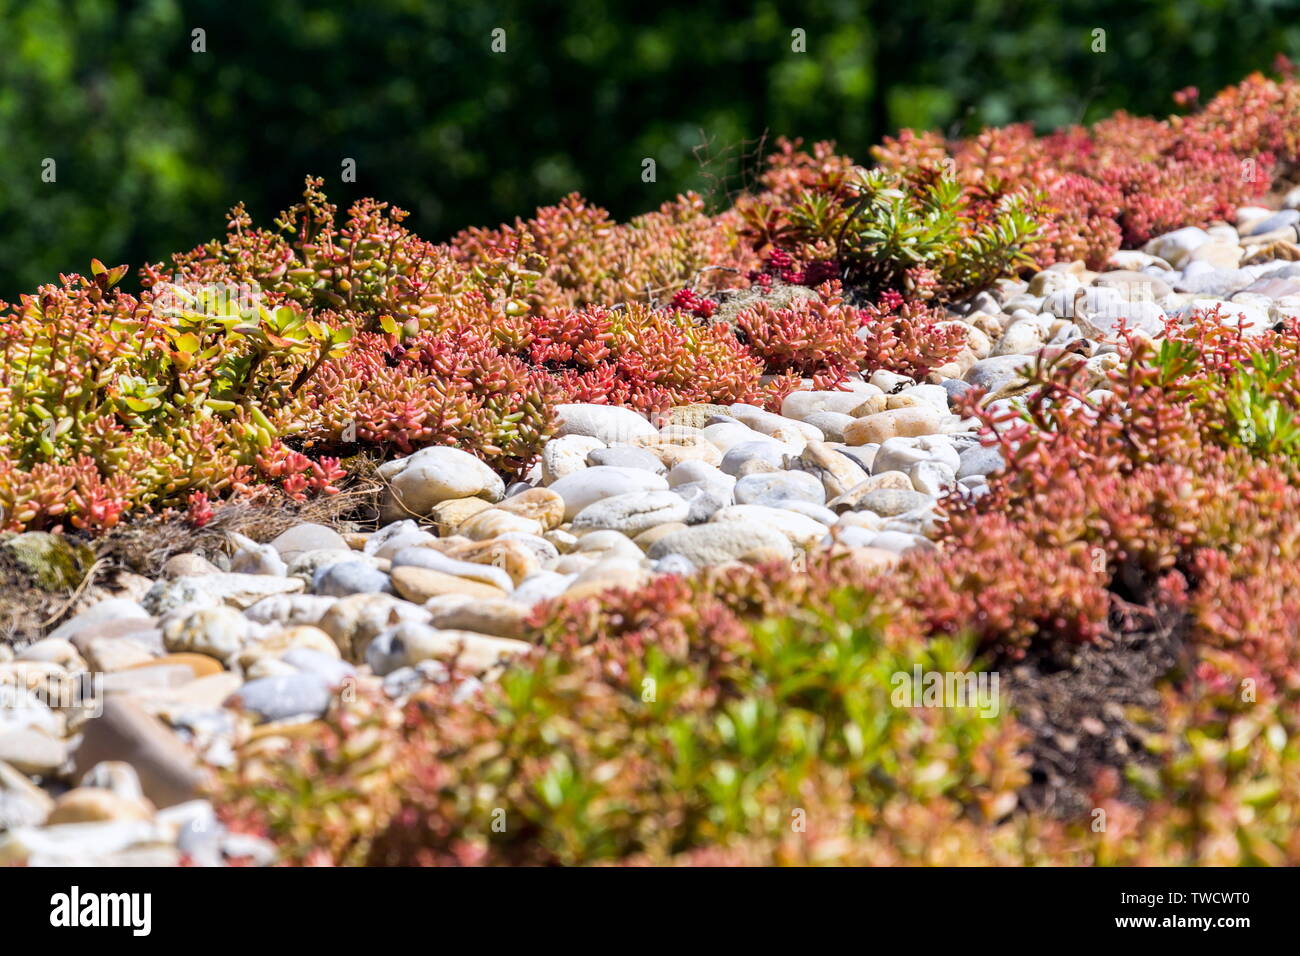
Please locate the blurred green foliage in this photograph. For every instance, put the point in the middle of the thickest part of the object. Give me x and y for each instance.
(153, 142)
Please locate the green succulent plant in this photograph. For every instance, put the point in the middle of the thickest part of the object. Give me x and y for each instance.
(889, 229)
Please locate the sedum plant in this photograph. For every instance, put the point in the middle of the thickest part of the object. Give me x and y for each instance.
(648, 745)
(1247, 397)
(109, 400)
(889, 230)
(923, 240)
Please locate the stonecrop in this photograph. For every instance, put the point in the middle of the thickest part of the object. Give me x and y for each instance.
(742, 715)
(1126, 178)
(109, 400)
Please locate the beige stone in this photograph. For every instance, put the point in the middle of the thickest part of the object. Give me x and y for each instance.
(201, 665)
(110, 654)
(498, 618)
(886, 479)
(1221, 255)
(117, 776)
(871, 559)
(901, 422)
(684, 434)
(836, 472)
(216, 631)
(94, 805)
(761, 556)
(873, 405)
(22, 803)
(648, 537)
(495, 522)
(990, 325)
(562, 539)
(449, 544)
(447, 516)
(187, 565)
(859, 519)
(173, 703)
(56, 650)
(31, 751)
(267, 667)
(677, 444)
(39, 677)
(513, 557)
(1134, 286)
(354, 621)
(539, 504)
(1047, 282)
(138, 680)
(474, 653)
(575, 563)
(280, 643)
(695, 416)
(421, 584)
(601, 578)
(904, 400)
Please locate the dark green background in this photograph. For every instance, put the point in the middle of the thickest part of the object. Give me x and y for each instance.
(154, 142)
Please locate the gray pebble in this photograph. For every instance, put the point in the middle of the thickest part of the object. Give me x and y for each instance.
(332, 670)
(674, 564)
(705, 498)
(809, 510)
(747, 452)
(279, 698)
(980, 461)
(350, 577)
(625, 456)
(955, 388)
(1279, 220)
(775, 488)
(888, 502)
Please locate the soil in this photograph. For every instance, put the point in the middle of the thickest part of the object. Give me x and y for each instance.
(1094, 711)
